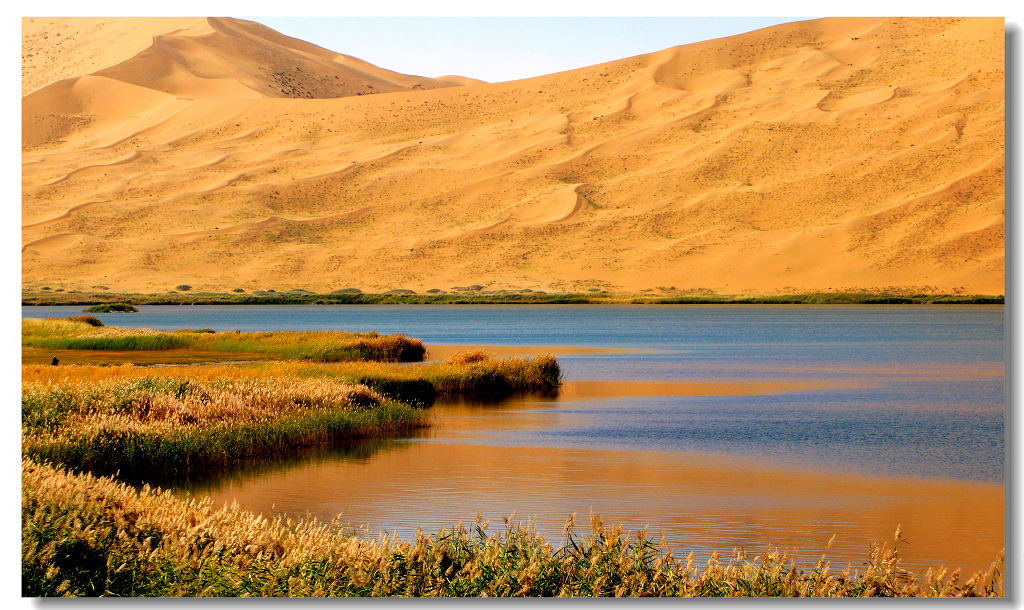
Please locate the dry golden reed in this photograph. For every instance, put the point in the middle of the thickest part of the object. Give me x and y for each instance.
(83, 535)
(157, 426)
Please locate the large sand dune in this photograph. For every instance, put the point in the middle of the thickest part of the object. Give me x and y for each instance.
(832, 154)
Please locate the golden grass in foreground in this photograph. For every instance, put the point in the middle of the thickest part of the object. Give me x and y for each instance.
(319, 346)
(83, 535)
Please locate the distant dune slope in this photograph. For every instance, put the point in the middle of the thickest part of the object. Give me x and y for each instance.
(55, 48)
(833, 154)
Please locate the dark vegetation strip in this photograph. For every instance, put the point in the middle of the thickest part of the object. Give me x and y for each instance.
(303, 298)
(82, 333)
(112, 308)
(380, 349)
(88, 536)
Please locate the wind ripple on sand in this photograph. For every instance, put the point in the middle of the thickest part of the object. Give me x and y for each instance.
(828, 154)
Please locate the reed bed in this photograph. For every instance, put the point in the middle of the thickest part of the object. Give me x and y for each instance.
(317, 346)
(162, 427)
(470, 374)
(473, 374)
(86, 536)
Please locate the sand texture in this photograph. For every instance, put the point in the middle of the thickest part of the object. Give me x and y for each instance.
(844, 153)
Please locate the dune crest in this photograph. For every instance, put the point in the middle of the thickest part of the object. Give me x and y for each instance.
(845, 153)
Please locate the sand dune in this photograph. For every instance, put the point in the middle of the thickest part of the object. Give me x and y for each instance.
(831, 154)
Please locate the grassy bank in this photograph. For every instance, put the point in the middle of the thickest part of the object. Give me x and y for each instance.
(162, 427)
(83, 535)
(319, 346)
(498, 297)
(175, 422)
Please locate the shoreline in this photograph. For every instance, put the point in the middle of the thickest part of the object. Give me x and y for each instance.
(75, 298)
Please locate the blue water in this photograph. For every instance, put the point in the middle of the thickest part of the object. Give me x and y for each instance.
(927, 397)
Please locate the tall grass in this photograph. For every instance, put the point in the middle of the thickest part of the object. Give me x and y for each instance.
(193, 421)
(86, 536)
(159, 427)
(318, 346)
(481, 377)
(420, 383)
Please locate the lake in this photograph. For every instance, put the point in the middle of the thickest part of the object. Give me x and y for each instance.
(720, 427)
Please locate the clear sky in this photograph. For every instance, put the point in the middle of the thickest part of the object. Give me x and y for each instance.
(505, 48)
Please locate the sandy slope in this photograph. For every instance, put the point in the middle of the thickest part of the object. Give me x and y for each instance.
(839, 153)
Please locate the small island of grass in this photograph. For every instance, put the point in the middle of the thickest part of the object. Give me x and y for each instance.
(112, 308)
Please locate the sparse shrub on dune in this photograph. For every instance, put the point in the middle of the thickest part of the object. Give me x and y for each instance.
(86, 536)
(183, 287)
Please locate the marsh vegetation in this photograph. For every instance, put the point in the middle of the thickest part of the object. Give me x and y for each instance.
(188, 421)
(320, 346)
(84, 535)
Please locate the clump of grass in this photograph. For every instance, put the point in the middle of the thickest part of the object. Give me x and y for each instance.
(470, 357)
(479, 374)
(183, 287)
(166, 427)
(112, 308)
(318, 346)
(85, 536)
(473, 374)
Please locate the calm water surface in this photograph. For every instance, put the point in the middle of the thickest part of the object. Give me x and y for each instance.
(797, 422)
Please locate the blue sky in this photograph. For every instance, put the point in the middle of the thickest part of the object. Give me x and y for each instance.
(505, 48)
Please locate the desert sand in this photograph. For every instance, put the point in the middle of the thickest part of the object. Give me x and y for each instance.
(844, 153)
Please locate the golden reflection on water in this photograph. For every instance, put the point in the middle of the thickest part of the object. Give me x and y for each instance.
(579, 390)
(700, 501)
(443, 352)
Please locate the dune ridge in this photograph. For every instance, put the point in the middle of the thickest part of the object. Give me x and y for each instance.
(836, 154)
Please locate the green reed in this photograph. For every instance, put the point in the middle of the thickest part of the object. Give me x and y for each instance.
(317, 346)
